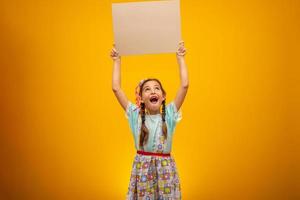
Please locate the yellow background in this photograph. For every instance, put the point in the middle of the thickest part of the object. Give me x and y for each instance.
(64, 135)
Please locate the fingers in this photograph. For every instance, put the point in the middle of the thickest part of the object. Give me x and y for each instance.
(181, 46)
(181, 49)
(114, 50)
(114, 53)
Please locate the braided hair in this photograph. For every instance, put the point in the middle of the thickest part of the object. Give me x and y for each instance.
(144, 130)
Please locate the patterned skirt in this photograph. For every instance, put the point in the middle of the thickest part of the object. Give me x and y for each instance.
(154, 177)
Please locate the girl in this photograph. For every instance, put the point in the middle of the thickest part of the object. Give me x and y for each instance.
(154, 174)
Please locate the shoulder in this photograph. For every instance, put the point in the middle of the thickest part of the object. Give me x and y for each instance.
(131, 106)
(171, 107)
(172, 113)
(131, 109)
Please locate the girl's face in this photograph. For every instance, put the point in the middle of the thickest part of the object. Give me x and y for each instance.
(152, 96)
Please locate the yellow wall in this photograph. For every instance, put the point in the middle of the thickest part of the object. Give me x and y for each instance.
(64, 135)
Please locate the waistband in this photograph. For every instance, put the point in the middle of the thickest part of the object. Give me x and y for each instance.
(153, 154)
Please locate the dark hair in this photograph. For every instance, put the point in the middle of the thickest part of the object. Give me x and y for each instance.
(144, 130)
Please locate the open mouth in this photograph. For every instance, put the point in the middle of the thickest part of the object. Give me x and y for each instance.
(154, 99)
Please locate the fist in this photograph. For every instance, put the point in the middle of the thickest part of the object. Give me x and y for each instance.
(114, 54)
(181, 49)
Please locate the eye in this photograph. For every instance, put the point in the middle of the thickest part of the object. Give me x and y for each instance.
(147, 89)
(157, 88)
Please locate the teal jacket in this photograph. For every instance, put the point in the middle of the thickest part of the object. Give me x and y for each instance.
(155, 143)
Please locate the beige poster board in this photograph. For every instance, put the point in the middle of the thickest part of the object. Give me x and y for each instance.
(147, 27)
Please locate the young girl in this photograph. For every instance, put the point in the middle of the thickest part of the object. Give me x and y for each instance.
(154, 174)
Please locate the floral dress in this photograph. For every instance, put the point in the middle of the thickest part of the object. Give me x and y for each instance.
(154, 177)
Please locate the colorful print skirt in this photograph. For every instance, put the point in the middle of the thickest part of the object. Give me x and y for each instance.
(154, 177)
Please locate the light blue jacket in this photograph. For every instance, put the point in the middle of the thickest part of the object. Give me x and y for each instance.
(154, 125)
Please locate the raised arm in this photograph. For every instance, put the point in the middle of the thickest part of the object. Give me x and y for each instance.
(184, 81)
(116, 78)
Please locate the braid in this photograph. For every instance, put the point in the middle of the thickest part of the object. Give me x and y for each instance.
(144, 129)
(164, 126)
(143, 112)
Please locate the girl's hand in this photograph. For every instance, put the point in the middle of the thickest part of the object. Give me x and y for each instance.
(114, 53)
(181, 50)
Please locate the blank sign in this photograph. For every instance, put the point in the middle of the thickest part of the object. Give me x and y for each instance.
(146, 27)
